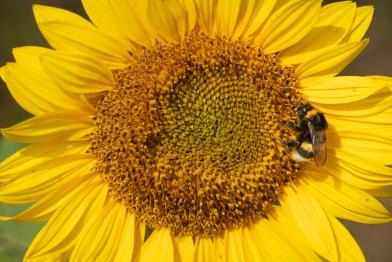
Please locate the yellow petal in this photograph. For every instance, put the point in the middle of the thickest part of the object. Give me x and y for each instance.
(125, 248)
(206, 10)
(173, 19)
(2, 73)
(286, 228)
(255, 250)
(161, 25)
(312, 220)
(158, 247)
(30, 157)
(65, 30)
(117, 18)
(345, 201)
(361, 23)
(343, 89)
(288, 25)
(61, 231)
(77, 73)
(64, 125)
(36, 182)
(52, 257)
(329, 62)
(332, 26)
(386, 80)
(28, 56)
(361, 167)
(37, 93)
(204, 250)
(184, 14)
(359, 125)
(183, 249)
(262, 243)
(55, 197)
(257, 12)
(359, 178)
(377, 175)
(234, 246)
(371, 153)
(378, 124)
(218, 249)
(100, 236)
(227, 14)
(384, 135)
(140, 234)
(349, 249)
(190, 7)
(375, 151)
(374, 104)
(377, 121)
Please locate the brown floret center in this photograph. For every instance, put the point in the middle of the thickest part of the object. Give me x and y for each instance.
(188, 139)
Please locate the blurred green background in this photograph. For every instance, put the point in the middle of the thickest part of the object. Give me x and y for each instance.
(17, 28)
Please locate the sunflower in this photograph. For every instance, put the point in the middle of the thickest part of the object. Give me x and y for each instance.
(172, 131)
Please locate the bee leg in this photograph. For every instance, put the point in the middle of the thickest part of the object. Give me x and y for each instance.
(304, 136)
(291, 144)
(290, 125)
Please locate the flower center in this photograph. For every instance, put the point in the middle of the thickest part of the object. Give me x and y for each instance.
(189, 137)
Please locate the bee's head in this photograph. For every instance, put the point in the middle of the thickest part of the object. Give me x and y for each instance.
(303, 110)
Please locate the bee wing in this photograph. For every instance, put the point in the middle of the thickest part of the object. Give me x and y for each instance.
(320, 154)
(319, 145)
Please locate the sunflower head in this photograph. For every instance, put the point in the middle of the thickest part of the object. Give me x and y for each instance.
(198, 120)
(191, 143)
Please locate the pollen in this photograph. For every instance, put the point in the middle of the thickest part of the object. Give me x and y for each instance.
(189, 137)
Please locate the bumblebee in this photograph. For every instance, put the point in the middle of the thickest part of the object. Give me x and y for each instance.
(310, 138)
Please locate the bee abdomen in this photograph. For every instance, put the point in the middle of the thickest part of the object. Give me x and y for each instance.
(305, 153)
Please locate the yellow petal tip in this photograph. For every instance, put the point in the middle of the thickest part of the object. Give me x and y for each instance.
(41, 12)
(2, 73)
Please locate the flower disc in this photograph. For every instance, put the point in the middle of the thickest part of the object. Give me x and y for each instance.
(189, 138)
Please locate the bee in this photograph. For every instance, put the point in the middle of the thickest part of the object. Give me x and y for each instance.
(311, 141)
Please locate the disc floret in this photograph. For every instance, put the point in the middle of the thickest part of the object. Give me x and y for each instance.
(188, 139)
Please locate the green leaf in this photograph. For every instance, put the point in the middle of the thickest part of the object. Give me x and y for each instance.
(7, 148)
(15, 238)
